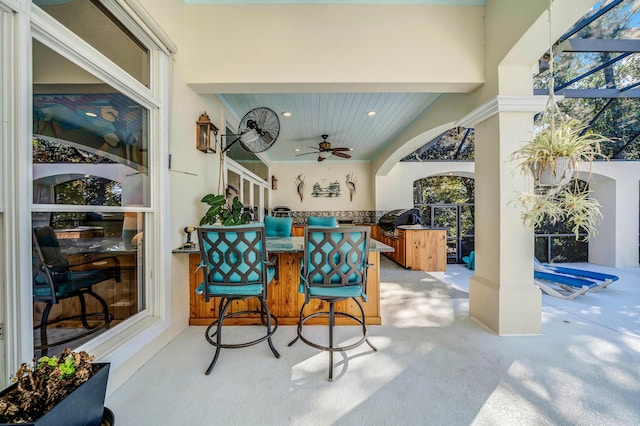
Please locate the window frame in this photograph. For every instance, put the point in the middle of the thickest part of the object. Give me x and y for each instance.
(34, 23)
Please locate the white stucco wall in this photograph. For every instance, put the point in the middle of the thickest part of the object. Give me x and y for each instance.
(395, 190)
(616, 185)
(332, 47)
(323, 173)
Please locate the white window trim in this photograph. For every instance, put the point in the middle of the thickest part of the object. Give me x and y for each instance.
(253, 179)
(34, 23)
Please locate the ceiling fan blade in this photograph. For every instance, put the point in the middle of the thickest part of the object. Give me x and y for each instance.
(342, 149)
(320, 158)
(305, 153)
(341, 154)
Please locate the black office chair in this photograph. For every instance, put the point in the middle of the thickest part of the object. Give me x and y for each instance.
(236, 267)
(54, 279)
(334, 268)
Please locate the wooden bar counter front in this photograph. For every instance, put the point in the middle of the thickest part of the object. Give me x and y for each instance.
(284, 300)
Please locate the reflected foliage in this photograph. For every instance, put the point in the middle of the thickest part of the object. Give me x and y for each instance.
(90, 191)
(47, 151)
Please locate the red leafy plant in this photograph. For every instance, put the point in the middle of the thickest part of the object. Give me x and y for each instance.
(39, 387)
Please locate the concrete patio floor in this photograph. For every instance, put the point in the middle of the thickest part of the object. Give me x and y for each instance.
(434, 366)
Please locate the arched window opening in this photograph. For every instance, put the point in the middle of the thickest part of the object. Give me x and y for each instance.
(557, 243)
(448, 202)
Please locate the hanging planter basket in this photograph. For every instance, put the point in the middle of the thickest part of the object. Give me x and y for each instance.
(554, 173)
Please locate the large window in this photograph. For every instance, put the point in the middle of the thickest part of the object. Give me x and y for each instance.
(96, 25)
(91, 160)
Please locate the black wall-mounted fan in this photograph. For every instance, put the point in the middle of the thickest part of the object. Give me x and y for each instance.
(258, 130)
(324, 147)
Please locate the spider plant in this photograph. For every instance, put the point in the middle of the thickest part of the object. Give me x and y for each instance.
(582, 210)
(559, 137)
(572, 205)
(538, 207)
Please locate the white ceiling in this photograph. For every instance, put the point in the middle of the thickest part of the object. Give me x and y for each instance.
(342, 116)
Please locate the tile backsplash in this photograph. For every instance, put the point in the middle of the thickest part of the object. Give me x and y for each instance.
(358, 216)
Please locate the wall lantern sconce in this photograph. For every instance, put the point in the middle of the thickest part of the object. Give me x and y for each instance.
(204, 129)
(274, 183)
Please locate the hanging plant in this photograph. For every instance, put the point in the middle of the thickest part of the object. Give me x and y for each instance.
(571, 205)
(558, 149)
(582, 210)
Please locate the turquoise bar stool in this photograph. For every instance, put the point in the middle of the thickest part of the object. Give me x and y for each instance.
(334, 268)
(234, 259)
(322, 221)
(278, 226)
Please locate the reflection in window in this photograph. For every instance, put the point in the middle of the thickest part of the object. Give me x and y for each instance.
(89, 191)
(87, 138)
(90, 155)
(106, 238)
(93, 23)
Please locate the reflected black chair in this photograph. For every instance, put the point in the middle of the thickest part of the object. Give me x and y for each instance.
(54, 279)
(334, 268)
(235, 265)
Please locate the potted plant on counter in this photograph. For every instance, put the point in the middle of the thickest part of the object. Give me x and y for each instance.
(223, 212)
(66, 390)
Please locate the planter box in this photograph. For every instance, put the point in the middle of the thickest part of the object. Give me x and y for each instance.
(82, 407)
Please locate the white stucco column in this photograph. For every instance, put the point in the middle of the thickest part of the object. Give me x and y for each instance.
(502, 295)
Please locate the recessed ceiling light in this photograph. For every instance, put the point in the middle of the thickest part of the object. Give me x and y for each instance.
(297, 150)
(371, 113)
(350, 149)
(286, 114)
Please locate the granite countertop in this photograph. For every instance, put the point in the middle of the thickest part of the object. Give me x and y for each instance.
(290, 245)
(432, 228)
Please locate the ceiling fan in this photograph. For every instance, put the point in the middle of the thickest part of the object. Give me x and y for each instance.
(324, 150)
(258, 130)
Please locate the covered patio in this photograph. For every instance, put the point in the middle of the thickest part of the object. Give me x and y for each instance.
(435, 365)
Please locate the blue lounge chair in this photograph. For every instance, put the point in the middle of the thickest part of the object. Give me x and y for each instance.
(580, 273)
(573, 281)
